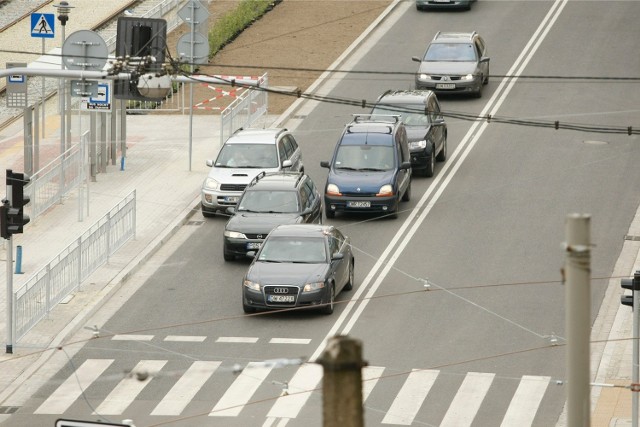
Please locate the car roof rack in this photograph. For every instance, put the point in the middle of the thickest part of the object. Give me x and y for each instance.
(386, 118)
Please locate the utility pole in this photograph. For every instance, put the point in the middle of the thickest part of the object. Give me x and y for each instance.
(342, 382)
(633, 300)
(578, 318)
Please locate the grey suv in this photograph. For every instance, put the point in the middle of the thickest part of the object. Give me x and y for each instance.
(243, 156)
(454, 62)
(426, 129)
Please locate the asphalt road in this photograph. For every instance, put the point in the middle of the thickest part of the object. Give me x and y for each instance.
(485, 234)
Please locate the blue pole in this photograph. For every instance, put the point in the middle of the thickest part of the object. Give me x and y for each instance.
(122, 163)
(19, 259)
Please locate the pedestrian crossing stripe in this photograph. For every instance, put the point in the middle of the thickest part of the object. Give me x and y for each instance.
(403, 410)
(43, 25)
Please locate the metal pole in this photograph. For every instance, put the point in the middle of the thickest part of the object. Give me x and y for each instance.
(63, 131)
(9, 346)
(191, 59)
(635, 371)
(578, 318)
(44, 89)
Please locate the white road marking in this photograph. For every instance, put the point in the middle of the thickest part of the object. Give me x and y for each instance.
(185, 338)
(289, 341)
(186, 388)
(132, 337)
(467, 401)
(64, 396)
(410, 398)
(524, 405)
(306, 378)
(249, 340)
(241, 390)
(128, 389)
(370, 377)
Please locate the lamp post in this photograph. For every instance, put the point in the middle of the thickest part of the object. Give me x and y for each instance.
(63, 16)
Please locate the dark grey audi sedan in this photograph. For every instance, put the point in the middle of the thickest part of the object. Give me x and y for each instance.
(301, 265)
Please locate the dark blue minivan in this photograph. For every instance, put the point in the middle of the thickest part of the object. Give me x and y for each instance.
(371, 167)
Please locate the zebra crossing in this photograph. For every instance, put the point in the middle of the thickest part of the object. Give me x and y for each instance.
(403, 409)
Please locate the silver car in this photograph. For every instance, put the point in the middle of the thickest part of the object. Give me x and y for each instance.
(443, 4)
(243, 156)
(454, 62)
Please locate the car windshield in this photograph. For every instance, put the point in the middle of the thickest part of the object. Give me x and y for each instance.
(411, 114)
(364, 157)
(294, 249)
(247, 156)
(269, 201)
(450, 52)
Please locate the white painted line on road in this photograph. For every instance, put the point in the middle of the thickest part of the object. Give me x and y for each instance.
(132, 337)
(289, 341)
(185, 338)
(525, 402)
(186, 388)
(467, 401)
(370, 377)
(410, 398)
(305, 380)
(128, 389)
(249, 340)
(64, 396)
(241, 390)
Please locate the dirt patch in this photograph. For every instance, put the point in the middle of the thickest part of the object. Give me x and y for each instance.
(293, 43)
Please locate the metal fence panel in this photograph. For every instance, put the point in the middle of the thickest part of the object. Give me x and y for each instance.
(248, 107)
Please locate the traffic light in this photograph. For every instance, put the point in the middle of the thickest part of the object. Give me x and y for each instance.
(631, 284)
(13, 217)
(4, 219)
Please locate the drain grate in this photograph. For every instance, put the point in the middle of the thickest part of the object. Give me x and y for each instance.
(8, 409)
(195, 222)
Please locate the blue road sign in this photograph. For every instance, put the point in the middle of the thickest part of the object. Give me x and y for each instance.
(43, 25)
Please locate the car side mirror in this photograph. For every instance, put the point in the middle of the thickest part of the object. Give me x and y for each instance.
(324, 164)
(286, 164)
(210, 163)
(485, 59)
(438, 121)
(405, 165)
(231, 210)
(307, 211)
(336, 256)
(251, 254)
(416, 59)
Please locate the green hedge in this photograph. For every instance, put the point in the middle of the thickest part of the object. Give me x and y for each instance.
(231, 24)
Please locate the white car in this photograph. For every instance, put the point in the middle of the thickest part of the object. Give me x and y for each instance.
(243, 156)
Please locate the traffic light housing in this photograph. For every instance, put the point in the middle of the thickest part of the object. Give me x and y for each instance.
(631, 284)
(13, 217)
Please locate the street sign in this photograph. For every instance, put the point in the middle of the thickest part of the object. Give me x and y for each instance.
(101, 101)
(16, 87)
(85, 50)
(80, 423)
(200, 48)
(87, 88)
(43, 25)
(200, 12)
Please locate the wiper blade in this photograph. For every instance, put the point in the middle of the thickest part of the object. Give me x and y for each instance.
(373, 169)
(270, 260)
(347, 168)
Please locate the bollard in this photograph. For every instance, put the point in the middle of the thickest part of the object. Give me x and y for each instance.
(122, 163)
(19, 259)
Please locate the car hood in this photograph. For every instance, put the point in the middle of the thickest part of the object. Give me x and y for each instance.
(366, 182)
(445, 67)
(416, 133)
(236, 175)
(254, 223)
(275, 273)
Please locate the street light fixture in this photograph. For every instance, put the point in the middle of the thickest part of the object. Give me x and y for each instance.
(63, 16)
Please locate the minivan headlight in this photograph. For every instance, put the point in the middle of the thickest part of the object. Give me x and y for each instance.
(385, 190)
(417, 145)
(424, 76)
(467, 77)
(234, 234)
(211, 184)
(333, 190)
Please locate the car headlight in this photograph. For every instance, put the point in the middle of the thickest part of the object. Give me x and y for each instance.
(251, 285)
(234, 234)
(424, 76)
(415, 145)
(211, 184)
(333, 190)
(310, 287)
(467, 77)
(385, 190)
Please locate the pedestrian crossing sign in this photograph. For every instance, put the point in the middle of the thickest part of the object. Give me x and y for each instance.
(43, 25)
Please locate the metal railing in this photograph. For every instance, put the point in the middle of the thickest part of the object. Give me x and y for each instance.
(66, 272)
(248, 106)
(55, 180)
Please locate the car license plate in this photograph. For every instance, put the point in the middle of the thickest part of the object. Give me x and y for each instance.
(445, 85)
(231, 199)
(253, 245)
(282, 298)
(441, 1)
(358, 204)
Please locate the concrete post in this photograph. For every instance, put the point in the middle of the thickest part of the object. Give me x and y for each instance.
(578, 318)
(342, 383)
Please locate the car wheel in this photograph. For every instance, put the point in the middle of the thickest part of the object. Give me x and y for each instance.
(407, 194)
(419, 7)
(478, 93)
(442, 155)
(486, 78)
(431, 164)
(329, 213)
(328, 308)
(349, 284)
(394, 214)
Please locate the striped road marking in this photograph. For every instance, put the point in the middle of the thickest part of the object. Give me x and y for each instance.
(410, 398)
(524, 405)
(467, 401)
(185, 338)
(249, 340)
(370, 377)
(241, 390)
